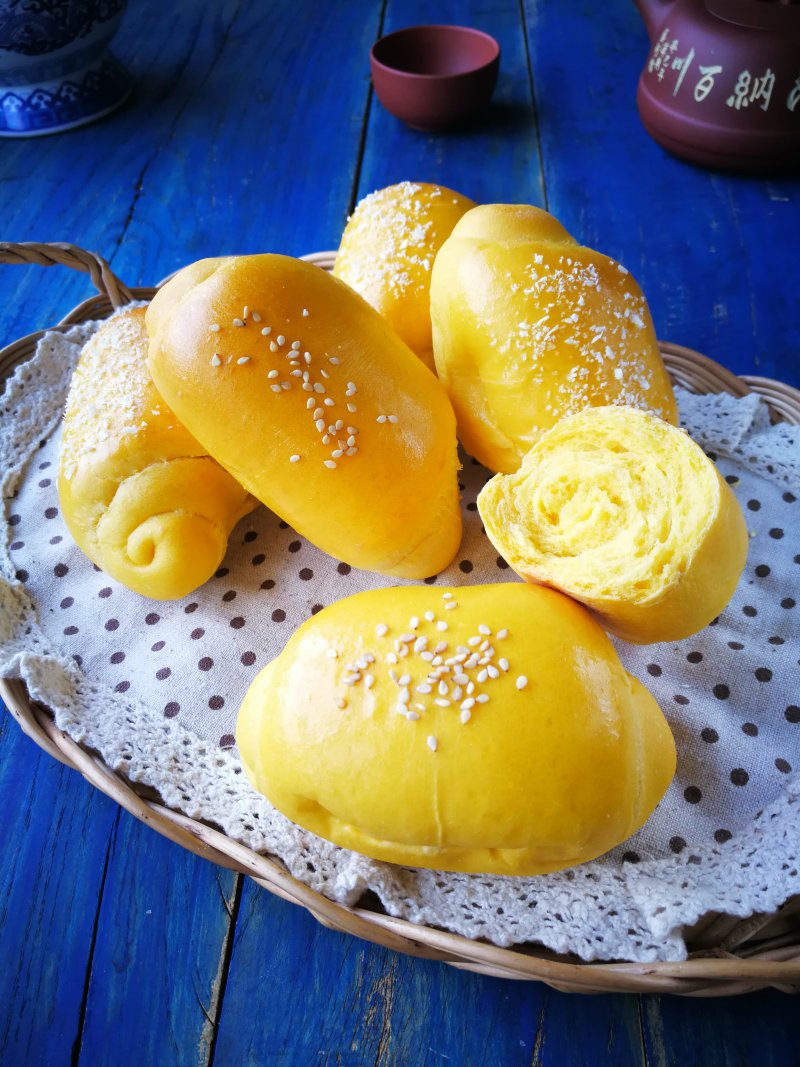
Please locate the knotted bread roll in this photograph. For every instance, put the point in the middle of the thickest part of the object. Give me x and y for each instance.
(530, 326)
(140, 496)
(308, 397)
(485, 729)
(387, 253)
(626, 514)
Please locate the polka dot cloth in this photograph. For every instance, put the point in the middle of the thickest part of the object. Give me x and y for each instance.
(731, 693)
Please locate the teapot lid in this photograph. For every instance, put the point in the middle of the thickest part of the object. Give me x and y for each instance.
(780, 15)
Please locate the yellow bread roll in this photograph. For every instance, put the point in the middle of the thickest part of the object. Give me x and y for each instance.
(141, 497)
(485, 729)
(626, 514)
(530, 326)
(308, 397)
(387, 253)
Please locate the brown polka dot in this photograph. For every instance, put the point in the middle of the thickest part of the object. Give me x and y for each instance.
(695, 657)
(171, 710)
(788, 602)
(237, 623)
(278, 615)
(227, 740)
(677, 844)
(736, 646)
(197, 633)
(206, 663)
(50, 513)
(78, 659)
(258, 559)
(762, 570)
(631, 857)
(295, 546)
(44, 483)
(152, 618)
(501, 563)
(754, 505)
(70, 631)
(344, 568)
(14, 520)
(721, 836)
(116, 657)
(112, 624)
(229, 596)
(465, 566)
(789, 497)
(268, 584)
(709, 735)
(221, 572)
(16, 545)
(190, 608)
(122, 687)
(783, 765)
(162, 673)
(248, 658)
(750, 729)
(739, 776)
(56, 540)
(721, 692)
(216, 702)
(105, 592)
(431, 579)
(763, 674)
(316, 608)
(60, 570)
(67, 602)
(679, 698)
(22, 575)
(776, 533)
(654, 670)
(775, 640)
(692, 794)
(472, 506)
(46, 463)
(283, 525)
(306, 574)
(157, 646)
(792, 713)
(251, 535)
(749, 611)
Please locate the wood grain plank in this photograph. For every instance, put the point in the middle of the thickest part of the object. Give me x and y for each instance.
(715, 254)
(494, 160)
(263, 155)
(159, 954)
(334, 1000)
(53, 853)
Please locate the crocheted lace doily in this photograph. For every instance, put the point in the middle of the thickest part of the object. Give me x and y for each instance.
(154, 687)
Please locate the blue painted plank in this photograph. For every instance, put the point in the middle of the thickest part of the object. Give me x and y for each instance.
(715, 254)
(335, 1000)
(53, 852)
(159, 954)
(494, 160)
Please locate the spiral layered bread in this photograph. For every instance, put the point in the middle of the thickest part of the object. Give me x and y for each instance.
(140, 496)
(387, 253)
(529, 326)
(483, 729)
(626, 514)
(311, 401)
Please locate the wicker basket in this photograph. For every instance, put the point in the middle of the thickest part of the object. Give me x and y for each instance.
(727, 955)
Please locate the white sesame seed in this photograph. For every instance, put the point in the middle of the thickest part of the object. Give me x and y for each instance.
(352, 408)
(482, 676)
(255, 317)
(308, 387)
(274, 374)
(381, 418)
(381, 629)
(503, 664)
(351, 451)
(447, 596)
(295, 345)
(482, 698)
(339, 424)
(406, 639)
(441, 702)
(436, 661)
(465, 715)
(427, 656)
(320, 425)
(391, 657)
(493, 671)
(450, 605)
(295, 458)
(502, 634)
(307, 358)
(361, 663)
(468, 703)
(215, 360)
(352, 387)
(242, 360)
(369, 680)
(442, 688)
(412, 715)
(238, 322)
(337, 453)
(214, 327)
(405, 696)
(332, 653)
(330, 464)
(483, 645)
(281, 340)
(286, 385)
(483, 629)
(432, 743)
(413, 622)
(325, 439)
(462, 679)
(318, 412)
(324, 373)
(273, 347)
(319, 387)
(266, 331)
(420, 644)
(392, 418)
(276, 389)
(472, 641)
(334, 360)
(424, 688)
(522, 681)
(456, 693)
(404, 679)
(441, 625)
(471, 662)
(352, 679)
(310, 403)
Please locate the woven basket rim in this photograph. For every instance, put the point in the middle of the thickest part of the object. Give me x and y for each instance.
(714, 969)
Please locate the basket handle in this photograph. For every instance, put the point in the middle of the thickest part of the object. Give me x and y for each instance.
(67, 255)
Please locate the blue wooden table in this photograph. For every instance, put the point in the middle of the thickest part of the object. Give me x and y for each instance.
(253, 128)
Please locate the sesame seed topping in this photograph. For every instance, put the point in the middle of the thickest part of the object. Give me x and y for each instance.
(332, 653)
(214, 327)
(432, 743)
(381, 418)
(472, 641)
(351, 451)
(442, 703)
(276, 388)
(369, 680)
(441, 625)
(310, 403)
(308, 387)
(320, 425)
(334, 360)
(255, 317)
(493, 671)
(295, 345)
(245, 312)
(424, 688)
(483, 629)
(274, 374)
(413, 622)
(429, 615)
(280, 339)
(242, 360)
(482, 698)
(352, 408)
(286, 385)
(305, 313)
(447, 596)
(337, 453)
(238, 322)
(215, 360)
(502, 634)
(482, 676)
(465, 715)
(412, 715)
(319, 387)
(468, 703)
(273, 347)
(266, 331)
(295, 458)
(450, 605)
(392, 418)
(328, 402)
(522, 681)
(330, 464)
(381, 629)
(503, 662)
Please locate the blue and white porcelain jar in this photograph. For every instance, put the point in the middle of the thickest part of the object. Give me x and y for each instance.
(55, 68)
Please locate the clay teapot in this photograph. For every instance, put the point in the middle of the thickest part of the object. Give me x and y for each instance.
(721, 85)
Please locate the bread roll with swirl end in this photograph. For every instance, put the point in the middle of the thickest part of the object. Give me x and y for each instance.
(528, 751)
(140, 496)
(529, 326)
(387, 253)
(626, 514)
(312, 402)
